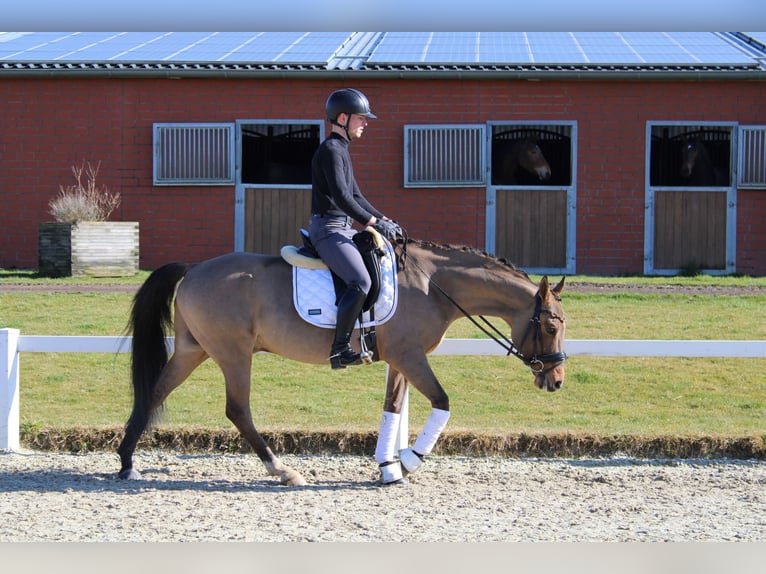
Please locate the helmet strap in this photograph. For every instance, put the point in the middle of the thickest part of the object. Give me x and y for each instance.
(335, 122)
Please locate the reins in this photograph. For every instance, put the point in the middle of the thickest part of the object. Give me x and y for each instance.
(537, 362)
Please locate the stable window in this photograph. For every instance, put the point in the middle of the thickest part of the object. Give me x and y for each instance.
(193, 154)
(690, 155)
(278, 153)
(531, 154)
(752, 157)
(444, 156)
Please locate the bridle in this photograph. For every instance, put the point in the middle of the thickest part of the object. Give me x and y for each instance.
(537, 362)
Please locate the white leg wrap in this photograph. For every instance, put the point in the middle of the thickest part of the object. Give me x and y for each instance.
(412, 458)
(431, 431)
(386, 446)
(390, 472)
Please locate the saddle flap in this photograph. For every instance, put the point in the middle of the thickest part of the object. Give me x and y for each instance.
(314, 294)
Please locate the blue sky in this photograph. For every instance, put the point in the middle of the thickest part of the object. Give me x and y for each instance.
(383, 15)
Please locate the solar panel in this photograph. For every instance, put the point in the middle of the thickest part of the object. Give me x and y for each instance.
(684, 48)
(500, 47)
(314, 47)
(757, 36)
(402, 47)
(556, 48)
(284, 47)
(396, 48)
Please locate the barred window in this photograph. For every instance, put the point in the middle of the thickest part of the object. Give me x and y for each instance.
(193, 154)
(691, 154)
(444, 156)
(278, 152)
(752, 157)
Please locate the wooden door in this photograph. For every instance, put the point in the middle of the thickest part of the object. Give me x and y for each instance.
(690, 230)
(274, 216)
(531, 227)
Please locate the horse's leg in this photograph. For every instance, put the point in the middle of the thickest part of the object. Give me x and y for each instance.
(237, 375)
(413, 365)
(385, 451)
(179, 367)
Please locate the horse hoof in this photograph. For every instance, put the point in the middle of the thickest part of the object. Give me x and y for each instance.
(129, 474)
(293, 479)
(398, 481)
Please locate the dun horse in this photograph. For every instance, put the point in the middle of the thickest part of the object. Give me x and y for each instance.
(232, 306)
(514, 158)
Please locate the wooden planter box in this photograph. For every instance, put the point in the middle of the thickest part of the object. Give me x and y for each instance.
(98, 249)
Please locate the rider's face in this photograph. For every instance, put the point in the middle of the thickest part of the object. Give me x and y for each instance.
(356, 125)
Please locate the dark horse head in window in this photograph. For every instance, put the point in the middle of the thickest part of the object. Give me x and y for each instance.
(697, 166)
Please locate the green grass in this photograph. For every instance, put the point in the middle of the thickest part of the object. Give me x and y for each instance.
(12, 276)
(603, 396)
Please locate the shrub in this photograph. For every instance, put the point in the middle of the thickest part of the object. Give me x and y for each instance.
(84, 200)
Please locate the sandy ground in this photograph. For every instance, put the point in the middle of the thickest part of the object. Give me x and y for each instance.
(180, 498)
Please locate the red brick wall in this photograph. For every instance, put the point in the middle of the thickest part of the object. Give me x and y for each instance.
(47, 125)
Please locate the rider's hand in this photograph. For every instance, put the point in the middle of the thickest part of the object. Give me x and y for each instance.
(389, 229)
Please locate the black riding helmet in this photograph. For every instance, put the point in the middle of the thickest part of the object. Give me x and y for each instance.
(347, 101)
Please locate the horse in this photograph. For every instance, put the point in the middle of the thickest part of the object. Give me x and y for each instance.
(516, 158)
(697, 168)
(234, 305)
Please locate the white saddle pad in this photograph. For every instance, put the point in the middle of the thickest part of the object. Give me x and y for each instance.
(314, 294)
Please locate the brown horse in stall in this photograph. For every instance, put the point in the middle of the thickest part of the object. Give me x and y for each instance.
(235, 305)
(516, 157)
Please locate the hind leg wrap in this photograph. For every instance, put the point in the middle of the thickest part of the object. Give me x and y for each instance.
(390, 469)
(412, 458)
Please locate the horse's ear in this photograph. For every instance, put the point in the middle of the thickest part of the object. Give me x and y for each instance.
(544, 289)
(560, 287)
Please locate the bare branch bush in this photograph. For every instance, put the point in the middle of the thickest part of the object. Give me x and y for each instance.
(84, 200)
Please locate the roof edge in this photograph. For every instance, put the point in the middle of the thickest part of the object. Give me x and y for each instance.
(437, 71)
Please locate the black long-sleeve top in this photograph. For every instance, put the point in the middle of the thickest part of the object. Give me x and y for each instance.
(334, 190)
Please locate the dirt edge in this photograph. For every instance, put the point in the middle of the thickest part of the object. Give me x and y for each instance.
(456, 443)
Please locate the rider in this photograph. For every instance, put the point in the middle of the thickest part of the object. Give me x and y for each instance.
(337, 202)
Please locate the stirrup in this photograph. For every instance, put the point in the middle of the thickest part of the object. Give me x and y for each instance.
(345, 358)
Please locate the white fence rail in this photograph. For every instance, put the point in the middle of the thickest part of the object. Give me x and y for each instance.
(12, 343)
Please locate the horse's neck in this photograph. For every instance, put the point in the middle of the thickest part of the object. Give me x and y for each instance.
(704, 172)
(478, 283)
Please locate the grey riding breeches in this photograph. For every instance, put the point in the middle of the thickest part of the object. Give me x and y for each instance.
(332, 238)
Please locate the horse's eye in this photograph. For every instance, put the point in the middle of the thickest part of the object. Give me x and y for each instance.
(551, 329)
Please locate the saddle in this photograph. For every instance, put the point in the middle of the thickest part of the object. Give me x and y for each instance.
(316, 290)
(370, 244)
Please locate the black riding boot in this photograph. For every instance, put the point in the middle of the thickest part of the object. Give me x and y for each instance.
(349, 308)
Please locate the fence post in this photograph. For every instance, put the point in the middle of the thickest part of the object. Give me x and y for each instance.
(9, 389)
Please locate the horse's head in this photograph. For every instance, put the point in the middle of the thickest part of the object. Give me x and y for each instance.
(692, 151)
(532, 159)
(541, 340)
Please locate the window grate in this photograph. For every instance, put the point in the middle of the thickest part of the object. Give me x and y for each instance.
(752, 157)
(444, 156)
(193, 154)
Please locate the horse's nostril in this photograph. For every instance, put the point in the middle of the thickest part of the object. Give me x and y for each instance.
(557, 385)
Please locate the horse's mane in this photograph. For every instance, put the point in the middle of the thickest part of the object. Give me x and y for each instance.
(466, 249)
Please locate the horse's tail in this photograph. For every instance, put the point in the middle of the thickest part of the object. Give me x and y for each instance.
(150, 322)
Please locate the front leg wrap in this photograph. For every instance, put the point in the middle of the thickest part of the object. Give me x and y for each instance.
(412, 458)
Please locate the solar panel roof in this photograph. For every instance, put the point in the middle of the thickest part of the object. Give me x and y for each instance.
(557, 48)
(173, 46)
(381, 51)
(757, 36)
